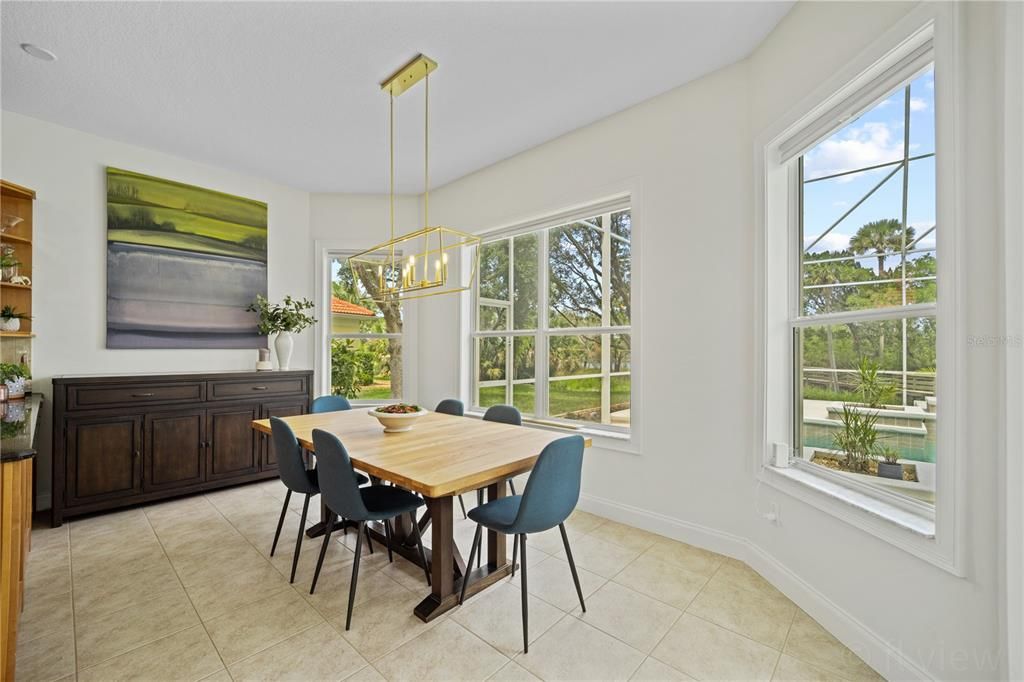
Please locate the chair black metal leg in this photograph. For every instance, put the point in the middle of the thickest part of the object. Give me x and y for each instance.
(419, 545)
(298, 541)
(522, 588)
(280, 521)
(515, 550)
(472, 552)
(463, 505)
(387, 536)
(366, 532)
(355, 573)
(512, 486)
(572, 566)
(323, 551)
(479, 552)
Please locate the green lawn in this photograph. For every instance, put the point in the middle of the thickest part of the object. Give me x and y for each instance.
(563, 397)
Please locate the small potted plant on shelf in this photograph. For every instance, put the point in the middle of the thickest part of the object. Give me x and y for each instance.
(8, 264)
(889, 463)
(13, 376)
(284, 319)
(10, 319)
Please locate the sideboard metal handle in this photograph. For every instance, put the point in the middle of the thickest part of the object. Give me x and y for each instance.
(259, 388)
(142, 395)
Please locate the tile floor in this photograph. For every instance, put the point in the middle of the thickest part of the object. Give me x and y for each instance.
(186, 590)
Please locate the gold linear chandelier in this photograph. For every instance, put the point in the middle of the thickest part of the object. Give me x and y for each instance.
(414, 265)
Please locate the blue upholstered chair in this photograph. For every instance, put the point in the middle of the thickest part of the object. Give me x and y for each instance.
(550, 496)
(330, 403)
(506, 414)
(456, 409)
(346, 499)
(292, 468)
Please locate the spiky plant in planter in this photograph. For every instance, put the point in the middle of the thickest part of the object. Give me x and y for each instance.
(889, 463)
(858, 438)
(873, 391)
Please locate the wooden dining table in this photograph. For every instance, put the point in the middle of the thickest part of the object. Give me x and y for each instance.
(439, 458)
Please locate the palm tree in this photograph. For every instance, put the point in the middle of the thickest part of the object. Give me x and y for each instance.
(880, 237)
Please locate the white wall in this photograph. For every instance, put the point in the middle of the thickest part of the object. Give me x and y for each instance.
(67, 169)
(690, 154)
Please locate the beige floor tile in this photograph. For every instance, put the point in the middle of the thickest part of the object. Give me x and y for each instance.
(693, 559)
(759, 615)
(513, 672)
(123, 523)
(186, 655)
(626, 536)
(551, 580)
(44, 612)
(665, 582)
(318, 653)
(573, 650)
(737, 573)
(581, 522)
(812, 644)
(254, 627)
(494, 615)
(636, 619)
(791, 669)
(653, 670)
(259, 527)
(97, 594)
(381, 624)
(103, 562)
(407, 574)
(366, 674)
(108, 635)
(331, 596)
(709, 652)
(53, 576)
(338, 557)
(47, 658)
(597, 555)
(217, 564)
(42, 559)
(45, 539)
(219, 676)
(169, 516)
(199, 538)
(445, 652)
(550, 541)
(217, 597)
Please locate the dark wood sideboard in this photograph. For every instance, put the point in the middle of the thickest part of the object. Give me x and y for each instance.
(123, 440)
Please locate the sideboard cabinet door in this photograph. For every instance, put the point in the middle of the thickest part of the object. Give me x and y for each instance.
(268, 458)
(103, 458)
(175, 449)
(233, 444)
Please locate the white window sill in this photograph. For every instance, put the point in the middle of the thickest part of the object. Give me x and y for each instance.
(820, 491)
(606, 440)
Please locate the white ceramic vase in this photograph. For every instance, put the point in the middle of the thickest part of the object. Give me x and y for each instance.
(283, 345)
(11, 325)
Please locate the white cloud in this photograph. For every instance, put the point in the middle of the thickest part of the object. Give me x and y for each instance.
(917, 104)
(833, 241)
(868, 144)
(840, 204)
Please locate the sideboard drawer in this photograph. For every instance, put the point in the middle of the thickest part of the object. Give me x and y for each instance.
(257, 389)
(109, 395)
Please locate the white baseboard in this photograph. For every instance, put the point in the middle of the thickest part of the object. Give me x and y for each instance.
(874, 649)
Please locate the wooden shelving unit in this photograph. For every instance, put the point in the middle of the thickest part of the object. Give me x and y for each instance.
(16, 200)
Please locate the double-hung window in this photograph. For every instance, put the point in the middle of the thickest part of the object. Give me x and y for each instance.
(364, 359)
(552, 331)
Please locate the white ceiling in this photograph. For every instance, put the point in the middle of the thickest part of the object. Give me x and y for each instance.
(288, 91)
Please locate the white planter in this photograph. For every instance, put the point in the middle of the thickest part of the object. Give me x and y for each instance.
(11, 325)
(283, 346)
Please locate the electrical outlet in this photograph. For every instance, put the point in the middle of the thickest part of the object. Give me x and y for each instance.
(772, 515)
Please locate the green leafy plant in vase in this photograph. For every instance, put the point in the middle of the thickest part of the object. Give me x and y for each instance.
(283, 319)
(14, 376)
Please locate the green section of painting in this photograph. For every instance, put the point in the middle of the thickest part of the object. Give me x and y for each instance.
(148, 211)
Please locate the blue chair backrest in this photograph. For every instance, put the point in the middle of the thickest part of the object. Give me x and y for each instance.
(290, 464)
(553, 488)
(330, 403)
(337, 479)
(506, 414)
(450, 406)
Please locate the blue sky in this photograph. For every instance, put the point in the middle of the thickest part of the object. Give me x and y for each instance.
(873, 138)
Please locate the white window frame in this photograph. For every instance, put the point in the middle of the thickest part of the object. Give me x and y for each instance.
(933, 535)
(604, 207)
(326, 252)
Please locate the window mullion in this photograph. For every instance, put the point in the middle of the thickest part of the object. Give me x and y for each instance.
(540, 391)
(606, 339)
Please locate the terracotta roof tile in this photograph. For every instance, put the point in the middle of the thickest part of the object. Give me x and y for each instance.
(341, 307)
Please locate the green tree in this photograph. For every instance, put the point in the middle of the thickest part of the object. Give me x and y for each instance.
(880, 237)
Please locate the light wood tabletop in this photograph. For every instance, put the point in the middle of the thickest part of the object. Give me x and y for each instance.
(442, 455)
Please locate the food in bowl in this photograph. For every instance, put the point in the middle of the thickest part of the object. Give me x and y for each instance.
(398, 417)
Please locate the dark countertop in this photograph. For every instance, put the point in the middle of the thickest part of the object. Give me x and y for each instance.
(20, 445)
(133, 376)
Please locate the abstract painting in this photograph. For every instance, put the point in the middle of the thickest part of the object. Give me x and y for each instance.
(183, 263)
